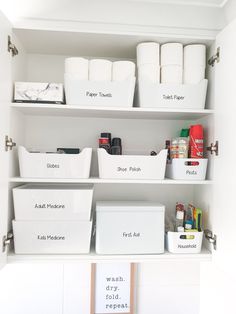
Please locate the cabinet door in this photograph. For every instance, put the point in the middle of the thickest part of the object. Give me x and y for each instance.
(224, 209)
(5, 97)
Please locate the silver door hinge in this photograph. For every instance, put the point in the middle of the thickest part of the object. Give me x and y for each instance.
(210, 237)
(9, 144)
(215, 58)
(6, 241)
(214, 148)
(11, 47)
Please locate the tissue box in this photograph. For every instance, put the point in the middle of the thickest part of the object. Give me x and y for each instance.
(39, 92)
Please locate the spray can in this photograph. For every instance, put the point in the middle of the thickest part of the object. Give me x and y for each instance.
(196, 141)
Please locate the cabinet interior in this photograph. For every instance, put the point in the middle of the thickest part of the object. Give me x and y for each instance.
(41, 59)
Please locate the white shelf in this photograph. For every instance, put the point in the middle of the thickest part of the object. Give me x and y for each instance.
(101, 40)
(205, 255)
(106, 181)
(106, 112)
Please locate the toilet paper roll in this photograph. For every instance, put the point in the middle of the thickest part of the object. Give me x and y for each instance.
(148, 53)
(121, 70)
(149, 72)
(172, 54)
(100, 70)
(78, 66)
(194, 74)
(195, 55)
(172, 74)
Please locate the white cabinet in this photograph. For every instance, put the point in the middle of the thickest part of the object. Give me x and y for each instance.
(5, 95)
(50, 126)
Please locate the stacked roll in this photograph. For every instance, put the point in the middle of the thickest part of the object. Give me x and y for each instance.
(77, 68)
(172, 63)
(98, 69)
(194, 63)
(148, 62)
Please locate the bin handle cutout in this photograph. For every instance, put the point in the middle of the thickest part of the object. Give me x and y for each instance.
(191, 163)
(187, 237)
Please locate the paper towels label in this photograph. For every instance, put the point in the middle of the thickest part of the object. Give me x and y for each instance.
(98, 94)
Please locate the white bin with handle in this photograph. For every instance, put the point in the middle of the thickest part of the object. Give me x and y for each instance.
(187, 169)
(131, 166)
(62, 166)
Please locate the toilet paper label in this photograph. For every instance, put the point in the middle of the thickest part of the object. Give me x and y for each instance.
(51, 237)
(173, 97)
(93, 95)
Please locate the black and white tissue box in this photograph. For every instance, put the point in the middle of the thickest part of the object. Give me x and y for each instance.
(39, 92)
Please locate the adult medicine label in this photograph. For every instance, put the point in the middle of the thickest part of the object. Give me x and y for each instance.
(49, 206)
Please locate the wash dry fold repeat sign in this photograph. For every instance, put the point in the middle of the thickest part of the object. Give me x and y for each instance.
(112, 288)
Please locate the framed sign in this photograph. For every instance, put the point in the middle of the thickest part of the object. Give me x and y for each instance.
(112, 288)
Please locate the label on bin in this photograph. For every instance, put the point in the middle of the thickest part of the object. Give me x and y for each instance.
(50, 237)
(131, 234)
(187, 246)
(98, 94)
(173, 97)
(128, 169)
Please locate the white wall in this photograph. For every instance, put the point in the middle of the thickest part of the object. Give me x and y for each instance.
(163, 287)
(230, 11)
(117, 12)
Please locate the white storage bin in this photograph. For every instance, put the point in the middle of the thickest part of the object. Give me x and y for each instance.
(181, 242)
(64, 166)
(53, 202)
(172, 96)
(181, 169)
(131, 166)
(96, 93)
(47, 237)
(129, 228)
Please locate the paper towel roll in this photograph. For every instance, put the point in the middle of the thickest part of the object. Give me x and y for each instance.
(121, 70)
(148, 53)
(194, 74)
(100, 70)
(172, 54)
(195, 55)
(78, 66)
(149, 72)
(172, 74)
